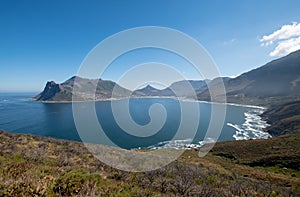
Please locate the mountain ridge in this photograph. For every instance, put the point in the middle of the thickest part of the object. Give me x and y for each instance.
(273, 82)
(276, 80)
(84, 90)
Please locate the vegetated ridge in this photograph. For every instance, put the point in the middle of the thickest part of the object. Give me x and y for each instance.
(41, 166)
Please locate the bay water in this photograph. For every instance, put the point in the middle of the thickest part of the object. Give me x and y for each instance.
(20, 114)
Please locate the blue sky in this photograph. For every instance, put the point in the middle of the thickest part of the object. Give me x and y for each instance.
(44, 40)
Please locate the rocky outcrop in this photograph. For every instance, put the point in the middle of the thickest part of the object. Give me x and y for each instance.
(50, 90)
(86, 90)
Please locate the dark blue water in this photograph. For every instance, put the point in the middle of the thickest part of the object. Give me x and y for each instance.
(19, 114)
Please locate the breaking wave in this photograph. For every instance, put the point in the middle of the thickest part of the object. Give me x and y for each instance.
(180, 144)
(253, 126)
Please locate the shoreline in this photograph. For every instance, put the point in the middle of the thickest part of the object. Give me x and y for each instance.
(157, 97)
(181, 99)
(178, 144)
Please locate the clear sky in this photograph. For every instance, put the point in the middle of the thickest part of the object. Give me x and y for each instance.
(42, 40)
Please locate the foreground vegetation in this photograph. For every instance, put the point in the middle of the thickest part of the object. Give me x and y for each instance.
(39, 166)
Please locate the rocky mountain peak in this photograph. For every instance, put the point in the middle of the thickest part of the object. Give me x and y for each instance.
(50, 90)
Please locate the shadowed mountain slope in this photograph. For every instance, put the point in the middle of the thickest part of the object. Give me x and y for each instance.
(277, 80)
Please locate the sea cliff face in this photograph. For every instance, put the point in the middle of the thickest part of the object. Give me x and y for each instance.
(50, 90)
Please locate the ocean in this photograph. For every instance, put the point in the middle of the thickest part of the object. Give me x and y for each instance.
(20, 114)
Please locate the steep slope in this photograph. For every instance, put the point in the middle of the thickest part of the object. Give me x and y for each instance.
(283, 118)
(50, 90)
(279, 79)
(84, 90)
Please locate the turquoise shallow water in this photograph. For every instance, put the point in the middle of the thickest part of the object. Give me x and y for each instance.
(19, 114)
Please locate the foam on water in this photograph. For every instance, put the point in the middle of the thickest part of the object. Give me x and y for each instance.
(180, 144)
(176, 144)
(253, 126)
(36, 117)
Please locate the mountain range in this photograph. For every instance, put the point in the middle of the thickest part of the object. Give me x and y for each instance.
(273, 82)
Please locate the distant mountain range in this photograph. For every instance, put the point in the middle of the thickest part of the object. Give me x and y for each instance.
(276, 81)
(185, 89)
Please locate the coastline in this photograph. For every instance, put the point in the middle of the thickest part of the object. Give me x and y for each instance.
(163, 97)
(248, 127)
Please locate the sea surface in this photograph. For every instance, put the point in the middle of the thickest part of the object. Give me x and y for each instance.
(20, 114)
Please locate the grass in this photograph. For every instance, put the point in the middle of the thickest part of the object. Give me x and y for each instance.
(39, 166)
